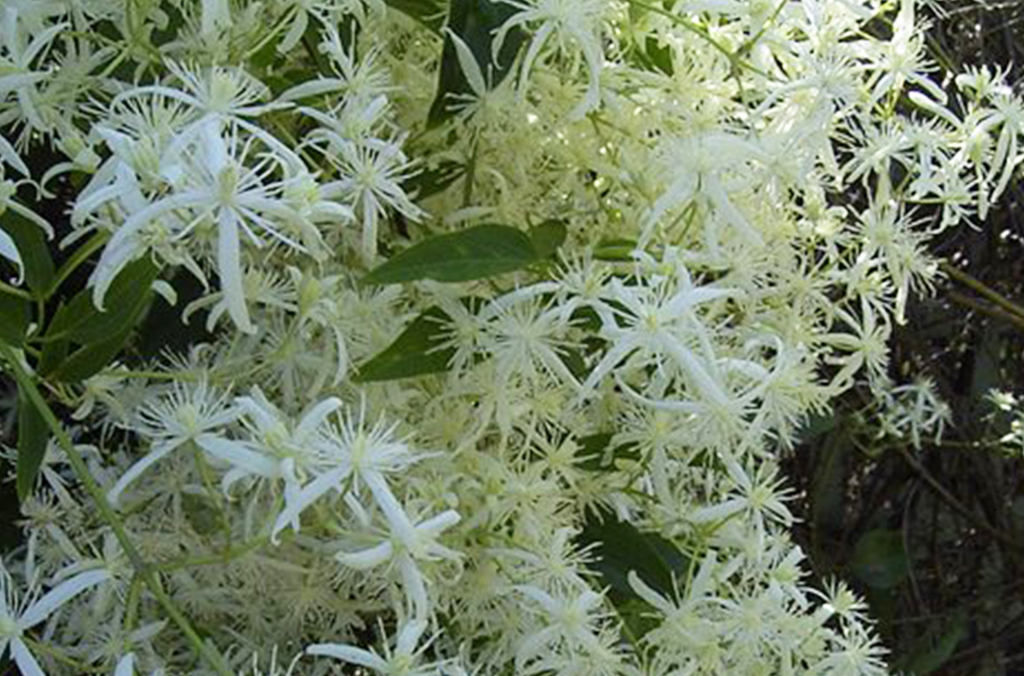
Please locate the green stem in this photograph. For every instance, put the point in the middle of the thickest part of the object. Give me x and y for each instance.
(985, 290)
(15, 291)
(986, 309)
(28, 386)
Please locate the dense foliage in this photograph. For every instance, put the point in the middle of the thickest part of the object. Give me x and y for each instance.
(500, 316)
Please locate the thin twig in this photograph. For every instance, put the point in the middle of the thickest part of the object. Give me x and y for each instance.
(982, 288)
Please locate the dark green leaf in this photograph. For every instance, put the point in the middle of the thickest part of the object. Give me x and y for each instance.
(14, 316)
(34, 250)
(101, 335)
(90, 359)
(475, 22)
(477, 253)
(32, 438)
(620, 547)
(828, 486)
(548, 237)
(414, 352)
(123, 303)
(879, 560)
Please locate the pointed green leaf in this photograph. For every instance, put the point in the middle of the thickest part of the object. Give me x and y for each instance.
(32, 438)
(14, 317)
(477, 253)
(620, 547)
(125, 300)
(414, 352)
(90, 359)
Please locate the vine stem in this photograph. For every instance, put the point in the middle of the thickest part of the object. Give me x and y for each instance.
(984, 308)
(145, 571)
(982, 288)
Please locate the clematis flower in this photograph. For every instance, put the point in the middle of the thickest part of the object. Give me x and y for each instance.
(188, 413)
(220, 187)
(400, 662)
(18, 615)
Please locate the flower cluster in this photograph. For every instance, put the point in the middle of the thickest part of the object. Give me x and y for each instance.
(674, 233)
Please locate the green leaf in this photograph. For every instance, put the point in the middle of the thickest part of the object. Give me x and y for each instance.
(14, 316)
(879, 560)
(475, 22)
(101, 335)
(620, 548)
(548, 237)
(34, 250)
(476, 253)
(33, 435)
(414, 352)
(124, 301)
(90, 359)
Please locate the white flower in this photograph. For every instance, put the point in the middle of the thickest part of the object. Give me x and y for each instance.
(568, 21)
(350, 450)
(408, 544)
(19, 615)
(219, 188)
(401, 662)
(16, 73)
(654, 319)
(187, 413)
(372, 172)
(569, 624)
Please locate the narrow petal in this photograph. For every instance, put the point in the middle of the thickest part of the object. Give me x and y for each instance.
(368, 558)
(136, 470)
(305, 497)
(350, 654)
(229, 267)
(316, 416)
(24, 659)
(126, 666)
(468, 63)
(237, 455)
(58, 596)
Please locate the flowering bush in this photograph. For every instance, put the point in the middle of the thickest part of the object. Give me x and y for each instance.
(510, 308)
